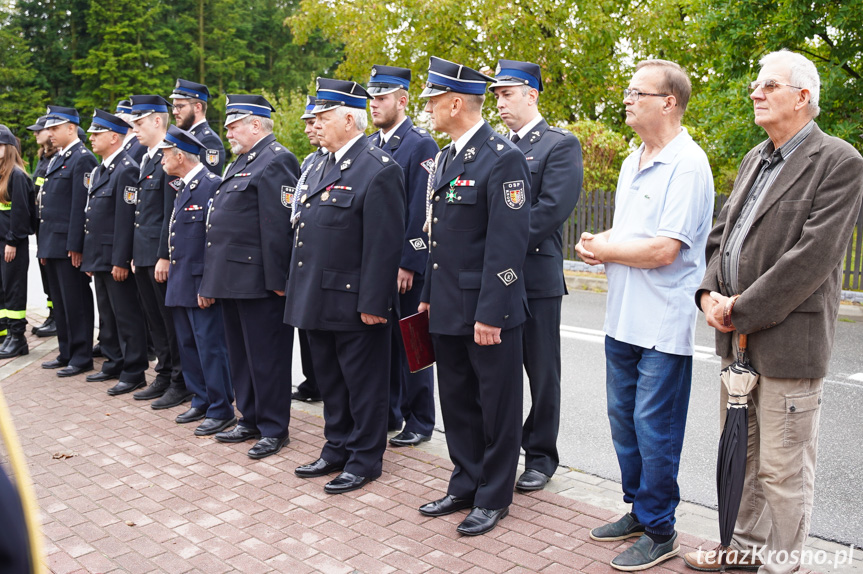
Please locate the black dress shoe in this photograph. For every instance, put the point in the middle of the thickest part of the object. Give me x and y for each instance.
(192, 415)
(154, 391)
(124, 387)
(212, 426)
(267, 446)
(300, 396)
(481, 520)
(97, 350)
(71, 371)
(446, 505)
(531, 480)
(408, 438)
(173, 397)
(318, 468)
(46, 329)
(54, 364)
(346, 482)
(13, 346)
(238, 434)
(101, 376)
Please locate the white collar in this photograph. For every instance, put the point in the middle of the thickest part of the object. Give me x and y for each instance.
(68, 147)
(462, 141)
(203, 121)
(344, 149)
(128, 137)
(191, 175)
(110, 159)
(522, 133)
(385, 137)
(151, 151)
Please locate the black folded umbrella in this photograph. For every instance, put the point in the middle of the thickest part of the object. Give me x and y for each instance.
(739, 379)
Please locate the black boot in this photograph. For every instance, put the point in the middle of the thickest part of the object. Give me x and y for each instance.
(14, 345)
(48, 328)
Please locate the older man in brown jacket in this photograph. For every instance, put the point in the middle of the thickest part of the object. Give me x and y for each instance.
(774, 274)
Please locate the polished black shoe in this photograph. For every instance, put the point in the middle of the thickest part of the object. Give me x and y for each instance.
(300, 396)
(13, 346)
(408, 438)
(154, 391)
(318, 468)
(97, 350)
(446, 505)
(212, 426)
(124, 387)
(71, 371)
(238, 434)
(481, 520)
(46, 329)
(531, 480)
(346, 482)
(173, 397)
(267, 446)
(192, 415)
(54, 364)
(101, 376)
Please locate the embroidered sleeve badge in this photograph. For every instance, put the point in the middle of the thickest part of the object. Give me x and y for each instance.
(514, 194)
(287, 195)
(130, 195)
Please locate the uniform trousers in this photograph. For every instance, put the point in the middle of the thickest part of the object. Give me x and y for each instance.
(411, 394)
(204, 354)
(776, 507)
(13, 289)
(308, 387)
(161, 323)
(73, 312)
(352, 369)
(122, 331)
(260, 355)
(542, 363)
(481, 400)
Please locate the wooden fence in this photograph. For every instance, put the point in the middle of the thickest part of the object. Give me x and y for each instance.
(595, 212)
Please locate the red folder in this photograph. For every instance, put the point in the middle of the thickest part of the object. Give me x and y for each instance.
(417, 341)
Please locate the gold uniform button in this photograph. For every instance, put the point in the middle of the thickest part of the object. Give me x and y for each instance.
(302, 224)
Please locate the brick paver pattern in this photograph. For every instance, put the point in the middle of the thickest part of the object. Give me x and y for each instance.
(141, 494)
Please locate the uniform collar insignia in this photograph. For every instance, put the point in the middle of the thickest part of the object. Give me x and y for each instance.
(345, 164)
(469, 154)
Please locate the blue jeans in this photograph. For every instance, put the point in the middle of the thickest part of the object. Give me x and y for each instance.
(648, 397)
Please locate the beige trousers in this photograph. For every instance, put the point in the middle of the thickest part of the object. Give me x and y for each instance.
(776, 507)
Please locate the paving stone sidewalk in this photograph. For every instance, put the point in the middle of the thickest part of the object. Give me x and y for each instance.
(122, 488)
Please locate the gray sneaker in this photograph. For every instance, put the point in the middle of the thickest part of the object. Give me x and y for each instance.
(645, 553)
(626, 527)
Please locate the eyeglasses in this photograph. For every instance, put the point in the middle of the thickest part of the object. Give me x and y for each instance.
(635, 94)
(178, 107)
(768, 86)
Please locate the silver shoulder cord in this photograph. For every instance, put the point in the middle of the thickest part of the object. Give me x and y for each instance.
(295, 201)
(429, 193)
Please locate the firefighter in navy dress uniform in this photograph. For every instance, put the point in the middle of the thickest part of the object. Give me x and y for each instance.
(108, 231)
(61, 242)
(155, 202)
(308, 390)
(190, 114)
(554, 157)
(16, 225)
(200, 332)
(474, 292)
(131, 145)
(245, 266)
(46, 152)
(348, 233)
(411, 396)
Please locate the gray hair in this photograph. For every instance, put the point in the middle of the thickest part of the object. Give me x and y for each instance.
(267, 124)
(803, 74)
(192, 158)
(361, 119)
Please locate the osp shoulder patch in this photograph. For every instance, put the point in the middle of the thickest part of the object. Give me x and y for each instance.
(508, 277)
(88, 179)
(130, 195)
(212, 156)
(287, 195)
(514, 194)
(176, 184)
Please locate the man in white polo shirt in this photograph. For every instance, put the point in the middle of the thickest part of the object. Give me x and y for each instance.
(654, 259)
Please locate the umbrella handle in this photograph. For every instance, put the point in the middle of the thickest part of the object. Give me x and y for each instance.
(741, 342)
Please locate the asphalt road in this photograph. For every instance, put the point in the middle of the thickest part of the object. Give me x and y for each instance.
(585, 439)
